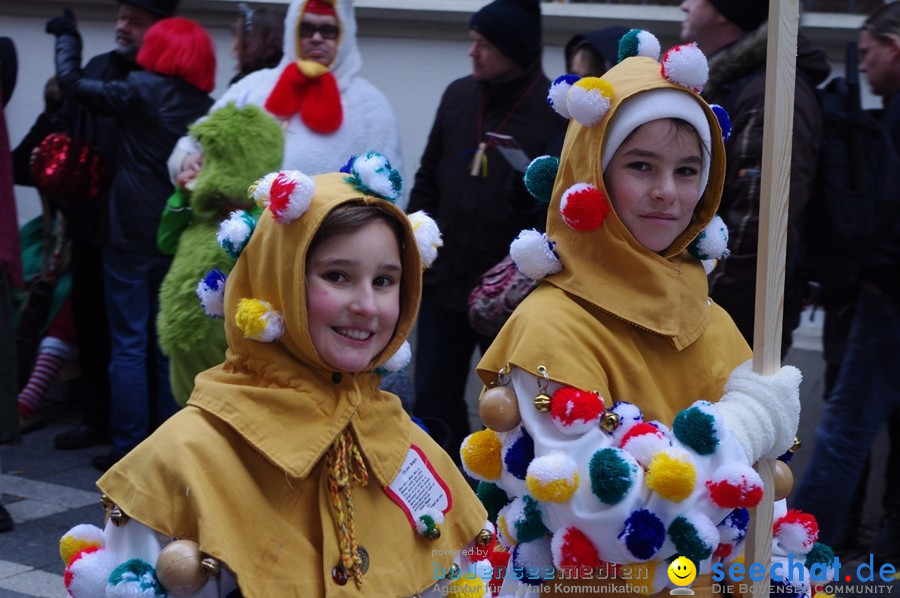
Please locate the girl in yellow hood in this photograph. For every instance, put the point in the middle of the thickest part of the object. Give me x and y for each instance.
(622, 415)
(288, 467)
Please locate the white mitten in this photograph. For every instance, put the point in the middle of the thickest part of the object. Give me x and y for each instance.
(762, 412)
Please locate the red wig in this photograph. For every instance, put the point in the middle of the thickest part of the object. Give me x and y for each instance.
(179, 47)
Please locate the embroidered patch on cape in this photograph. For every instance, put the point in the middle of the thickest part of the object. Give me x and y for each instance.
(418, 488)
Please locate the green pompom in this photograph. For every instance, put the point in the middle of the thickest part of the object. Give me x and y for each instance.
(139, 573)
(539, 177)
(696, 429)
(687, 540)
(532, 526)
(820, 554)
(611, 475)
(493, 498)
(628, 45)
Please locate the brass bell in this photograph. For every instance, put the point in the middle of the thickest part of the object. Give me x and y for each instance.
(118, 517)
(434, 533)
(797, 445)
(499, 409)
(609, 421)
(484, 537)
(453, 572)
(106, 502)
(783, 480)
(542, 403)
(211, 565)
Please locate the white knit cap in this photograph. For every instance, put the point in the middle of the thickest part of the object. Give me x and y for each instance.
(653, 105)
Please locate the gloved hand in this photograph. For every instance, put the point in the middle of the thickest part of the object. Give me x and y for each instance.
(762, 412)
(63, 24)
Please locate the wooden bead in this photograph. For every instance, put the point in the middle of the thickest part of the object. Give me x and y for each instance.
(499, 409)
(178, 568)
(784, 480)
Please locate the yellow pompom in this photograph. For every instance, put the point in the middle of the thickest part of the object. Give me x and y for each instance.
(77, 539)
(552, 478)
(506, 538)
(258, 320)
(671, 475)
(823, 595)
(466, 587)
(480, 453)
(592, 83)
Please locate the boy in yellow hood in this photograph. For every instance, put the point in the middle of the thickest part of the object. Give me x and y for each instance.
(288, 467)
(623, 417)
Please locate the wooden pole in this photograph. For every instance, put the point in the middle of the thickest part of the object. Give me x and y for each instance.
(781, 66)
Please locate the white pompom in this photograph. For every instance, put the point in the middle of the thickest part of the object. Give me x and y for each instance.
(589, 100)
(428, 236)
(399, 360)
(287, 194)
(558, 93)
(87, 574)
(533, 255)
(648, 45)
(686, 65)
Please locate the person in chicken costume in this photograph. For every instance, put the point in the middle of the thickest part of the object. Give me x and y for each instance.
(289, 473)
(623, 417)
(327, 110)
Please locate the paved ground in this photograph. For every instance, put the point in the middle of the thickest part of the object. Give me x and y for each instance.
(48, 491)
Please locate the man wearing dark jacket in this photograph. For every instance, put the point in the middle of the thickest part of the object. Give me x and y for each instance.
(87, 224)
(477, 198)
(733, 37)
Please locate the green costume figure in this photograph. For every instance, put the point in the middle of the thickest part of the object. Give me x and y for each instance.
(239, 146)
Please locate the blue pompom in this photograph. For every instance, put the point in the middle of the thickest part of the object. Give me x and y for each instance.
(519, 454)
(724, 120)
(211, 292)
(643, 535)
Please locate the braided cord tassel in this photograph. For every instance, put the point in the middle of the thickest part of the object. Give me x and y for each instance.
(346, 469)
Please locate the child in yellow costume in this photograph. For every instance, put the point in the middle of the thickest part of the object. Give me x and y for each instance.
(288, 468)
(623, 416)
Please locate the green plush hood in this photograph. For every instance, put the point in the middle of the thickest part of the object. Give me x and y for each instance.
(239, 146)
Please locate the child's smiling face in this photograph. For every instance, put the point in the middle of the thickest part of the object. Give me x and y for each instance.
(653, 181)
(353, 295)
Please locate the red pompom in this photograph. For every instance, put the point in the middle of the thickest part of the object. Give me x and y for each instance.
(499, 560)
(575, 411)
(572, 549)
(796, 531)
(583, 207)
(735, 486)
(67, 576)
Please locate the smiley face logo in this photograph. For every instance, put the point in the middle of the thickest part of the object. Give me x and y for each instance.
(682, 571)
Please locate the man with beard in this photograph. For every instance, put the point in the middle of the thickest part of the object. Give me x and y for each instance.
(86, 223)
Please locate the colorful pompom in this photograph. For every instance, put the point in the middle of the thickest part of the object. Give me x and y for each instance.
(534, 559)
(534, 255)
(589, 100)
(398, 361)
(698, 428)
(258, 320)
(428, 236)
(235, 231)
(629, 415)
(480, 455)
(709, 266)
(694, 537)
(672, 475)
(523, 521)
(583, 207)
(518, 452)
(612, 473)
(643, 535)
(77, 539)
(211, 293)
(467, 586)
(643, 440)
(558, 94)
(712, 242)
(492, 497)
(724, 120)
(572, 549)
(819, 554)
(87, 572)
(552, 478)
(796, 532)
(686, 65)
(372, 173)
(539, 177)
(428, 524)
(638, 42)
(734, 485)
(134, 578)
(575, 411)
(732, 531)
(287, 194)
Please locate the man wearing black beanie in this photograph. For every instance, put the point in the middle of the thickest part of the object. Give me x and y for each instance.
(477, 197)
(733, 35)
